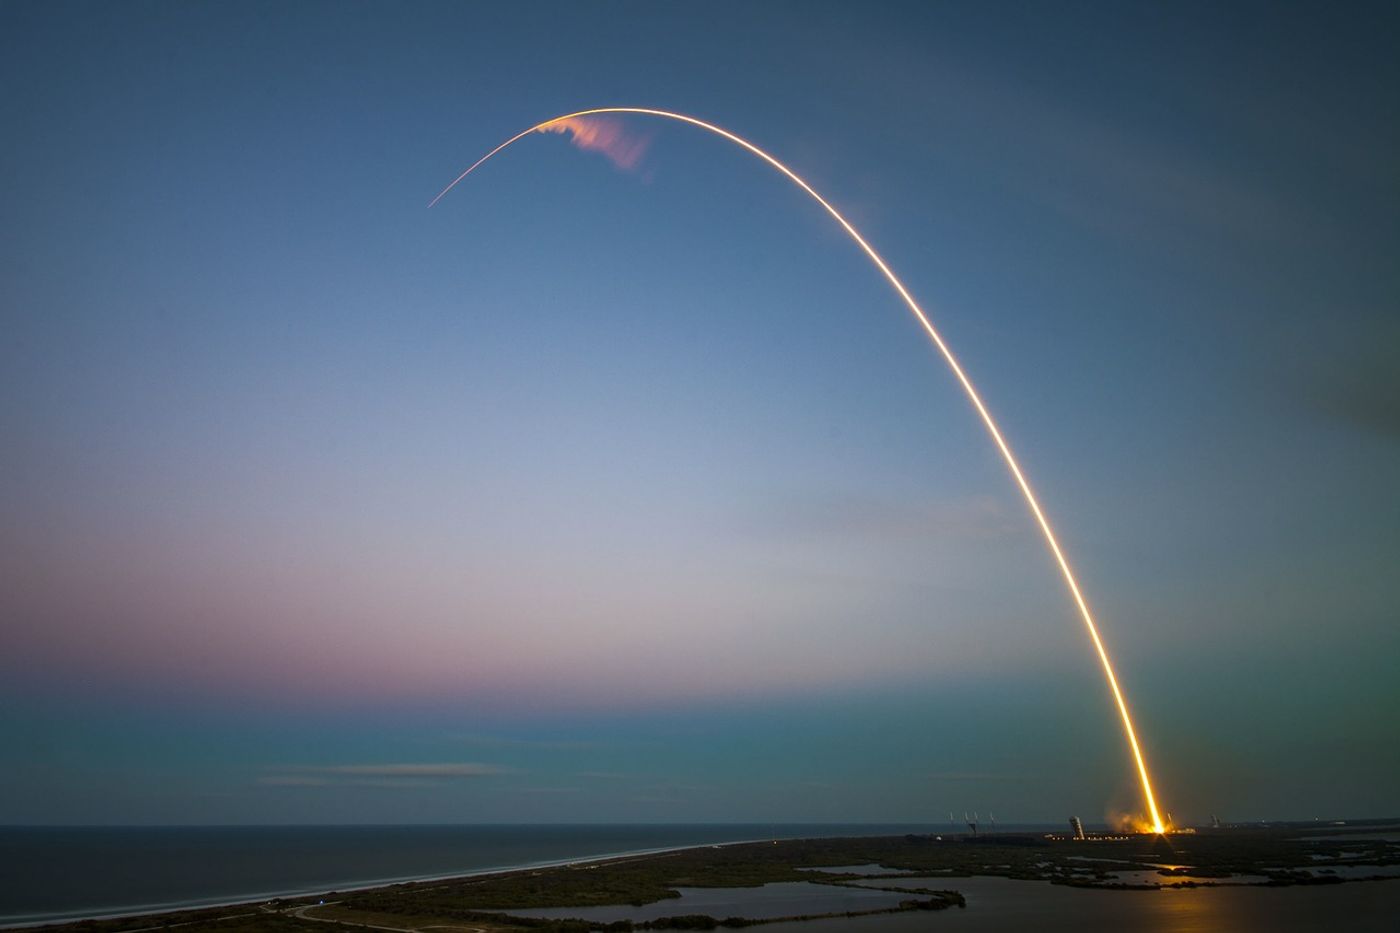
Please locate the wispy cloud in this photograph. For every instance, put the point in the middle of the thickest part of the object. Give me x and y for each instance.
(292, 780)
(506, 741)
(439, 769)
(604, 134)
(398, 775)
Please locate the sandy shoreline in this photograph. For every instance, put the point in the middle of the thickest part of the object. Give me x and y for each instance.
(33, 922)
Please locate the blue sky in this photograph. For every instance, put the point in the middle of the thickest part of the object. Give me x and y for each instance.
(615, 494)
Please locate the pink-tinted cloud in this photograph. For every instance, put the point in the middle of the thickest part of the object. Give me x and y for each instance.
(604, 134)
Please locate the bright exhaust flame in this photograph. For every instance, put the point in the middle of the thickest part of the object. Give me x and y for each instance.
(572, 122)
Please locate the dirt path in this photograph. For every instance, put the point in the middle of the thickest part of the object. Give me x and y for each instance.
(171, 926)
(301, 914)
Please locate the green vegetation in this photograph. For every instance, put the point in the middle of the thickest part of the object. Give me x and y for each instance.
(243, 919)
(1271, 856)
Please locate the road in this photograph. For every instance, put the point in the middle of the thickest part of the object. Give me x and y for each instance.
(301, 914)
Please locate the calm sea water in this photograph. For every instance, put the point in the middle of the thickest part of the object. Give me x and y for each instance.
(65, 873)
(51, 873)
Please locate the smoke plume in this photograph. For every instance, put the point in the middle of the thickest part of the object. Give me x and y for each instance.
(606, 135)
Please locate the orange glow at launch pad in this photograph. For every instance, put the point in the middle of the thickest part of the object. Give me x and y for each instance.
(573, 121)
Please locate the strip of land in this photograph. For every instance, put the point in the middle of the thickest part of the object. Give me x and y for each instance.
(1272, 856)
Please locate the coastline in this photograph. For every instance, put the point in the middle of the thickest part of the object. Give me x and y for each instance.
(1222, 860)
(253, 900)
(43, 921)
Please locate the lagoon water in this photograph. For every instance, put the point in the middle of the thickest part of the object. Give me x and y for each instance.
(998, 905)
(64, 873)
(51, 873)
(782, 899)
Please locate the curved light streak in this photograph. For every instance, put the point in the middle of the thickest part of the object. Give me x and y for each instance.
(1031, 501)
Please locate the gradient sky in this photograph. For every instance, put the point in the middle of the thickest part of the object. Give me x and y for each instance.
(625, 489)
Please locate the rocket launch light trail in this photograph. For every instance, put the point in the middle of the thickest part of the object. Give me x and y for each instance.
(558, 123)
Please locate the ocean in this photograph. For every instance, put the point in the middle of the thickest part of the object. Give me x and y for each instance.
(65, 873)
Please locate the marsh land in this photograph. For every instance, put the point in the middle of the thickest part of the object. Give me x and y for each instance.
(1281, 877)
